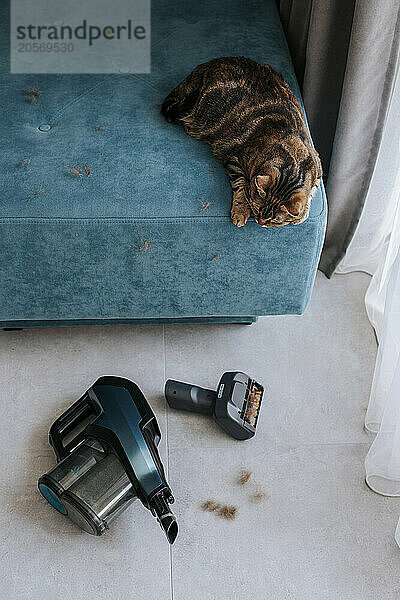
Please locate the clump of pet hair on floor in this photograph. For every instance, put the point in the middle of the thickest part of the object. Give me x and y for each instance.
(225, 511)
(210, 506)
(229, 511)
(244, 476)
(258, 496)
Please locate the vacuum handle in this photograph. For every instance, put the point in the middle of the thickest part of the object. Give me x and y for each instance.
(184, 396)
(67, 426)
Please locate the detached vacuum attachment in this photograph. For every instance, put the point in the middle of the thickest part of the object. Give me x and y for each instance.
(235, 405)
(106, 449)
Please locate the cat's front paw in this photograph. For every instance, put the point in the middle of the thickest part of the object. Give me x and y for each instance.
(240, 216)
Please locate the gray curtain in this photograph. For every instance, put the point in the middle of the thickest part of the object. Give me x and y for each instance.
(346, 55)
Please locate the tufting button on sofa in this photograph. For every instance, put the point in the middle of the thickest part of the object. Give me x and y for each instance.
(44, 127)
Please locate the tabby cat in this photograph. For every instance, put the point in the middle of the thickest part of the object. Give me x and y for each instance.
(248, 115)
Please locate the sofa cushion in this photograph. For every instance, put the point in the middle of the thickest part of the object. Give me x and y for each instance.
(133, 240)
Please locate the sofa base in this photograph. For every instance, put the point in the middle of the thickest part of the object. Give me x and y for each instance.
(18, 325)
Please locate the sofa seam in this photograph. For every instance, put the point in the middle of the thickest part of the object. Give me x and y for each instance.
(130, 220)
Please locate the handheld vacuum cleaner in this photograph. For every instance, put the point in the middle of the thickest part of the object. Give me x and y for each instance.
(106, 450)
(235, 405)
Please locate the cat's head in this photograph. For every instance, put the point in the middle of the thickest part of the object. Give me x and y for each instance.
(281, 192)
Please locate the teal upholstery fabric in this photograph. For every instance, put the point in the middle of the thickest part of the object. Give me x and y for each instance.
(131, 241)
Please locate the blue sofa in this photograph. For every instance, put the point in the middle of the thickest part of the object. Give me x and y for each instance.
(147, 236)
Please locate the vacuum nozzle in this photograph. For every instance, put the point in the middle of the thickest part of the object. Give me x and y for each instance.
(160, 508)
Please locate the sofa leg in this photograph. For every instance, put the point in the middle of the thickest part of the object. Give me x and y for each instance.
(249, 322)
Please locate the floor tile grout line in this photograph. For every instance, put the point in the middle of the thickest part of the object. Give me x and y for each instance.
(167, 445)
(47, 452)
(262, 447)
(166, 405)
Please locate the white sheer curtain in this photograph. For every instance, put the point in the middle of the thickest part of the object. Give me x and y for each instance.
(375, 249)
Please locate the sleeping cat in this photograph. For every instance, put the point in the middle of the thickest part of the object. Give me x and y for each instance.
(248, 115)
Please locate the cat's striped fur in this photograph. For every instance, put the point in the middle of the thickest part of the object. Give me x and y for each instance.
(248, 115)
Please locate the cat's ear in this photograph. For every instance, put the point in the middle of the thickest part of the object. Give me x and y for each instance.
(296, 204)
(262, 182)
(266, 180)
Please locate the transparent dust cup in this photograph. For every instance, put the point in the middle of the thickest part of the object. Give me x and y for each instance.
(90, 486)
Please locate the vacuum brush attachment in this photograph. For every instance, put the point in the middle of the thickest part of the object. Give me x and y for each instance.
(235, 405)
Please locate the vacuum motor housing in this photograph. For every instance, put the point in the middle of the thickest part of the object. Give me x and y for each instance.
(106, 448)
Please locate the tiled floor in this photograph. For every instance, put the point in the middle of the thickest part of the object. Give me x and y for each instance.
(319, 533)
